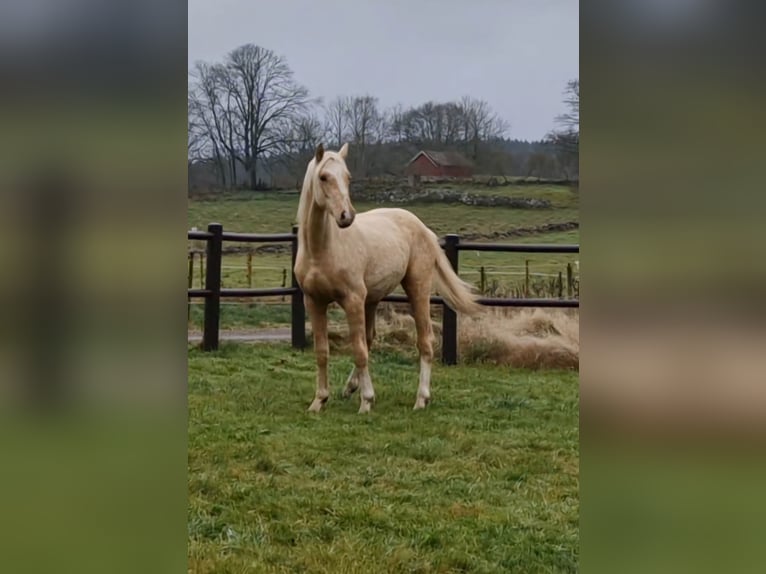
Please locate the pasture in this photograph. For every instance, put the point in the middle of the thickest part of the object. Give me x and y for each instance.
(484, 480)
(274, 212)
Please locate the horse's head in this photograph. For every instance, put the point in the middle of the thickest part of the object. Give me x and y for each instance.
(332, 183)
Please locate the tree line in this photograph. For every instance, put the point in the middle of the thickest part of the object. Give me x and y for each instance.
(248, 114)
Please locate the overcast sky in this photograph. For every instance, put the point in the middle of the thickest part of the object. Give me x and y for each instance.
(516, 54)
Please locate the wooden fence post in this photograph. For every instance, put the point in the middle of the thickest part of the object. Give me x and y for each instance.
(449, 317)
(483, 281)
(298, 330)
(249, 269)
(213, 285)
(284, 280)
(526, 278)
(569, 280)
(561, 287)
(191, 282)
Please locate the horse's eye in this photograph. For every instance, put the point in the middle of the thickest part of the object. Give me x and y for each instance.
(323, 177)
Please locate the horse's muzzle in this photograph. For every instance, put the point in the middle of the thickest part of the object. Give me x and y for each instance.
(346, 218)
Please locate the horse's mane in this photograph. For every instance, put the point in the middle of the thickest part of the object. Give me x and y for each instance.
(307, 195)
(307, 191)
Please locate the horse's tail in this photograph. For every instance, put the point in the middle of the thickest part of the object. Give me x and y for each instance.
(457, 293)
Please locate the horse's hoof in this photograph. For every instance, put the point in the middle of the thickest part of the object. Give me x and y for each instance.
(365, 407)
(421, 403)
(348, 391)
(316, 405)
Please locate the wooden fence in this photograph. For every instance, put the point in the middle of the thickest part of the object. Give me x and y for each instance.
(212, 292)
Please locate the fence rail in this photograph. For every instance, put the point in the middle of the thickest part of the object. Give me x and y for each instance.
(517, 247)
(212, 292)
(257, 238)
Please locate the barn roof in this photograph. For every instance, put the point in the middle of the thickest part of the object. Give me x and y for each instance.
(444, 158)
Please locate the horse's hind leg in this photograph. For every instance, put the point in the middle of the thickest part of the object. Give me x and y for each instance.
(419, 294)
(352, 383)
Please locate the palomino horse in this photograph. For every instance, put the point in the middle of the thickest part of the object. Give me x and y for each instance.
(357, 265)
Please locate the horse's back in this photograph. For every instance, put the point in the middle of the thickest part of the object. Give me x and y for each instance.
(393, 219)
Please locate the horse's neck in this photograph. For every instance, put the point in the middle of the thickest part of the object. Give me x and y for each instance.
(317, 230)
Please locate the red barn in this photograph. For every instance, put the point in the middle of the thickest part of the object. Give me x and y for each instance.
(439, 164)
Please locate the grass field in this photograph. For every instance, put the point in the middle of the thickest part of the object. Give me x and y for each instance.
(484, 480)
(272, 212)
(271, 269)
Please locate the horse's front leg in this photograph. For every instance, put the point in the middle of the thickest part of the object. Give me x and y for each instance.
(352, 383)
(355, 312)
(318, 317)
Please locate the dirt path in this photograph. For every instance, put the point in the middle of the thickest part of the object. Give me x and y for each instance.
(250, 335)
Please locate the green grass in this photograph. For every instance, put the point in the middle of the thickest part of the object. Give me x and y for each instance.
(484, 480)
(270, 269)
(560, 196)
(463, 219)
(256, 314)
(254, 212)
(272, 212)
(238, 315)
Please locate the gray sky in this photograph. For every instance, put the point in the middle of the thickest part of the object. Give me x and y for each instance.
(516, 54)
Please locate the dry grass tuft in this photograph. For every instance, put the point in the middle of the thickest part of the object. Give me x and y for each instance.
(532, 339)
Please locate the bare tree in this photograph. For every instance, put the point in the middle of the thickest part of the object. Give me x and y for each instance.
(197, 134)
(437, 122)
(248, 110)
(364, 122)
(210, 123)
(453, 118)
(469, 121)
(265, 98)
(567, 137)
(480, 123)
(303, 135)
(570, 121)
(336, 115)
(394, 121)
(428, 114)
(309, 132)
(411, 126)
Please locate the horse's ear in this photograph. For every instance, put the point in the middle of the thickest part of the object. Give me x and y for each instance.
(344, 151)
(319, 153)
